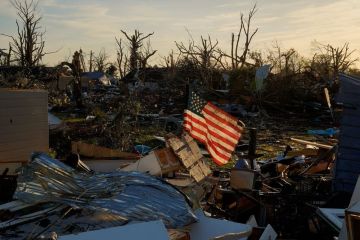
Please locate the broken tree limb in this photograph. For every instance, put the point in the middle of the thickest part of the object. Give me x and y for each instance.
(320, 145)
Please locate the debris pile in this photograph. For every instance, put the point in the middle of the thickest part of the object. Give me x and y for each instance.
(57, 199)
(121, 169)
(131, 195)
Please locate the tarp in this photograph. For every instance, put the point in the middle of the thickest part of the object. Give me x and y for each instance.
(261, 73)
(53, 121)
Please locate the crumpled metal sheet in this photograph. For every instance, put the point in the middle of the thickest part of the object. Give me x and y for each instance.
(134, 196)
(80, 220)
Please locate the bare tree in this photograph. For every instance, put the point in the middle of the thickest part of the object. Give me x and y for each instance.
(91, 61)
(8, 60)
(341, 58)
(28, 45)
(3, 57)
(135, 43)
(328, 61)
(258, 58)
(146, 54)
(121, 58)
(287, 57)
(170, 61)
(205, 55)
(284, 61)
(100, 61)
(202, 53)
(238, 55)
(274, 57)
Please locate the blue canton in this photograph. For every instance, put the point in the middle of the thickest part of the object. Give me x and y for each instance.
(196, 103)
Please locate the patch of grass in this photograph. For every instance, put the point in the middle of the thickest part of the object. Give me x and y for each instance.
(74, 120)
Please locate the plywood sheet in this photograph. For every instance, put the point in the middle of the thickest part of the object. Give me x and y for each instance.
(23, 124)
(190, 155)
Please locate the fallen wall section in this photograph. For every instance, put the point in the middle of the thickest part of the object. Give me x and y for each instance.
(347, 168)
(23, 125)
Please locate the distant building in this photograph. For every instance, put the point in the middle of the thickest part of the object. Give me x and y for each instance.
(150, 79)
(100, 78)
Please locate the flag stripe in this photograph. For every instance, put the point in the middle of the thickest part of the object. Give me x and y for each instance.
(207, 139)
(194, 117)
(219, 157)
(219, 151)
(218, 119)
(217, 160)
(199, 136)
(191, 127)
(218, 135)
(204, 137)
(215, 128)
(227, 118)
(227, 130)
(225, 142)
(232, 138)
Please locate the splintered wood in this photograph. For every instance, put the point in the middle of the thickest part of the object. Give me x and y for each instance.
(167, 160)
(190, 155)
(93, 151)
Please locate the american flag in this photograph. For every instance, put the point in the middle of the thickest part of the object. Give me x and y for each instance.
(218, 130)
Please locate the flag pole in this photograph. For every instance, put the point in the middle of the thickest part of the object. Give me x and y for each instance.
(187, 93)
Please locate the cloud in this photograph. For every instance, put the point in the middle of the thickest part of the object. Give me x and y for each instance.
(4, 9)
(93, 24)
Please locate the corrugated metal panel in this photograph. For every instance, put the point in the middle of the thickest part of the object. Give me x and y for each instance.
(347, 167)
(23, 124)
(134, 196)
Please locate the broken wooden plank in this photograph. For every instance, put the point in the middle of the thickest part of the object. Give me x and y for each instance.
(94, 151)
(168, 160)
(106, 165)
(320, 145)
(190, 155)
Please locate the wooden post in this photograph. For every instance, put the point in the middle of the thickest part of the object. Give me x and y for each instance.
(252, 146)
(187, 94)
(91, 61)
(8, 58)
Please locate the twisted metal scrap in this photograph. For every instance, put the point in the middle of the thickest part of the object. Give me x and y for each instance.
(131, 195)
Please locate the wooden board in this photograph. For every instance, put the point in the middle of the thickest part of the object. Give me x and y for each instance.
(167, 160)
(190, 155)
(94, 151)
(23, 124)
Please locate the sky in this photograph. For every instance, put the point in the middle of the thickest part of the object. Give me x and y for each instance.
(94, 24)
